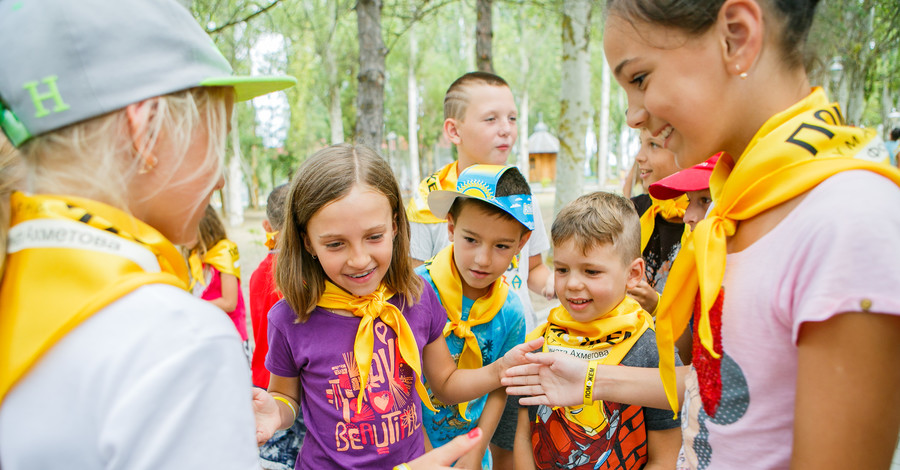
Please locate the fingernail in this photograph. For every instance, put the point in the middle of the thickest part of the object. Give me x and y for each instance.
(474, 434)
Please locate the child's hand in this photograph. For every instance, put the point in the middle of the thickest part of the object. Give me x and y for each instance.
(553, 379)
(268, 417)
(444, 456)
(549, 290)
(516, 355)
(645, 295)
(472, 460)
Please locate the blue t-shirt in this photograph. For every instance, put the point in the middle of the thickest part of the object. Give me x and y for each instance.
(892, 150)
(505, 331)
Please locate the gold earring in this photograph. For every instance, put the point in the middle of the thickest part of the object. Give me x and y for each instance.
(149, 164)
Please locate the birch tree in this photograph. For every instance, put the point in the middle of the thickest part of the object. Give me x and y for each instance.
(484, 35)
(370, 93)
(575, 109)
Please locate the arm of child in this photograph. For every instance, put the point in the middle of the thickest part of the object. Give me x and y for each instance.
(662, 448)
(557, 379)
(451, 385)
(272, 414)
(540, 278)
(229, 299)
(490, 416)
(444, 456)
(847, 406)
(523, 455)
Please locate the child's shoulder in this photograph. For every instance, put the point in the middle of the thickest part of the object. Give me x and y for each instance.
(644, 353)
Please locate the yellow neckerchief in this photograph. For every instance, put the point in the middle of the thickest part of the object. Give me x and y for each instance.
(445, 178)
(223, 256)
(69, 258)
(791, 153)
(443, 272)
(670, 209)
(369, 308)
(271, 239)
(614, 333)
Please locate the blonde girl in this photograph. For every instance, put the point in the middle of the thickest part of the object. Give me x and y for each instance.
(356, 331)
(794, 271)
(119, 110)
(215, 268)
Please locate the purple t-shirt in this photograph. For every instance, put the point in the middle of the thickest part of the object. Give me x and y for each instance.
(389, 430)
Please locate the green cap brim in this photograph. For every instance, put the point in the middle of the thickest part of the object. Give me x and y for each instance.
(246, 88)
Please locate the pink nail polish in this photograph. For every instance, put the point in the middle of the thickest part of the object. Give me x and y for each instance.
(474, 434)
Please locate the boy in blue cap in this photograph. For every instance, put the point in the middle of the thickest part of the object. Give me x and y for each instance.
(489, 219)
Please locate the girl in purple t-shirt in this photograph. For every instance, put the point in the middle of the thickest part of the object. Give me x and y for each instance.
(356, 330)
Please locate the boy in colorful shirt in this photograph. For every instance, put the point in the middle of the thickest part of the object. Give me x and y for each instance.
(597, 257)
(489, 219)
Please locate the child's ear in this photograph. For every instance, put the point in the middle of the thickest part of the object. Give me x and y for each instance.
(307, 245)
(635, 273)
(451, 130)
(267, 226)
(451, 226)
(523, 241)
(741, 32)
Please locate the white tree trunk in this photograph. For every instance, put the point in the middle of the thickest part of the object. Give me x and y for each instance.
(524, 162)
(575, 109)
(603, 132)
(334, 93)
(413, 112)
(234, 182)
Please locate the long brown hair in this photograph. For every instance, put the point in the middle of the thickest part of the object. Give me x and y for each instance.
(327, 176)
(212, 230)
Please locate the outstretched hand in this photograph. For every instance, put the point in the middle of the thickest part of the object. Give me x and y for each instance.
(443, 457)
(518, 355)
(553, 379)
(268, 417)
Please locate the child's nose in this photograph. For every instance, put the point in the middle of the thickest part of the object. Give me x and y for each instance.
(359, 258)
(636, 117)
(483, 256)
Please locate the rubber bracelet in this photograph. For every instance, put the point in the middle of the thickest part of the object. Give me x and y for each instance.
(288, 403)
(402, 466)
(589, 380)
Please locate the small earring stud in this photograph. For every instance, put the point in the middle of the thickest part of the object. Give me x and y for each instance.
(743, 75)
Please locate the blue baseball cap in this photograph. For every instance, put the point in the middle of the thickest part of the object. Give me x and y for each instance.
(480, 182)
(65, 61)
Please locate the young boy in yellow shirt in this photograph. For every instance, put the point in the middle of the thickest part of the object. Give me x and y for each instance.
(489, 218)
(480, 120)
(597, 258)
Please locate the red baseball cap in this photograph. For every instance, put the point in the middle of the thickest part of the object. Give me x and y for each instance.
(695, 178)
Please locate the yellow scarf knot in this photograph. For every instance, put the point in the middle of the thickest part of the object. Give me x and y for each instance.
(417, 210)
(443, 272)
(790, 154)
(223, 256)
(669, 209)
(271, 240)
(370, 308)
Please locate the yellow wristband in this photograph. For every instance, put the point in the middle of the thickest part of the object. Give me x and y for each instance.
(589, 380)
(288, 403)
(658, 301)
(402, 466)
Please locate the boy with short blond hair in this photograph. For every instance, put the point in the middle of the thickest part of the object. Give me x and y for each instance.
(597, 258)
(490, 219)
(480, 120)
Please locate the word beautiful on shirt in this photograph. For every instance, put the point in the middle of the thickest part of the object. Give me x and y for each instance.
(389, 414)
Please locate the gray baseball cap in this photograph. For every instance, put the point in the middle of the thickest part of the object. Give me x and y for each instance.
(70, 60)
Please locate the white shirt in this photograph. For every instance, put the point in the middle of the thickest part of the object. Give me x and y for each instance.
(155, 380)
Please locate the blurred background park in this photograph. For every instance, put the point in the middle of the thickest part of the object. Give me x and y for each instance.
(375, 72)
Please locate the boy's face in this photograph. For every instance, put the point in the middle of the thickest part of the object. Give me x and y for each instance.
(488, 129)
(698, 204)
(591, 284)
(483, 246)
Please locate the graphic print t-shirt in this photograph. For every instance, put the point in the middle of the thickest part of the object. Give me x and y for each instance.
(388, 431)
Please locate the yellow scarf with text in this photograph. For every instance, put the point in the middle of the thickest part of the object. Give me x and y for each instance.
(370, 308)
(68, 258)
(223, 256)
(791, 153)
(669, 209)
(608, 338)
(449, 285)
(443, 179)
